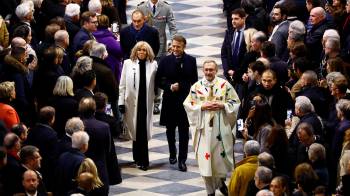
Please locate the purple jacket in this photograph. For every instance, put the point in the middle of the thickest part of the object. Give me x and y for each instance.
(115, 53)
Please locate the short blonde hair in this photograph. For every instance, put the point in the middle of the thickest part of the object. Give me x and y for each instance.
(88, 165)
(6, 89)
(138, 45)
(63, 87)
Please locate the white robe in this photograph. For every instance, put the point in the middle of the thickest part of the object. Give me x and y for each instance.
(213, 145)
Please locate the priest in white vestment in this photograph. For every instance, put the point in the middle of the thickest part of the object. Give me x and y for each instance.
(212, 106)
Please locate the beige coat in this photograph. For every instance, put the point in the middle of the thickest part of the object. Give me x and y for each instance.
(128, 94)
(4, 34)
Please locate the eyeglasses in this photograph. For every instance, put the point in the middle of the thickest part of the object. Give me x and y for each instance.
(95, 22)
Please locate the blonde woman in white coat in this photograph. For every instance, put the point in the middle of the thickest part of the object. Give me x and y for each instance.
(136, 94)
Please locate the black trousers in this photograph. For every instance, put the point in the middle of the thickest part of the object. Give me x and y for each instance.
(183, 142)
(140, 148)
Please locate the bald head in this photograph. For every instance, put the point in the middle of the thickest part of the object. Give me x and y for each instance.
(30, 181)
(18, 42)
(317, 15)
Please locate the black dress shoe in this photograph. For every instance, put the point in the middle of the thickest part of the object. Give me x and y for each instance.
(143, 167)
(182, 166)
(213, 194)
(223, 189)
(172, 160)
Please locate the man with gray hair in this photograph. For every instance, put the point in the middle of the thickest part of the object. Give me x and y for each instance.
(296, 31)
(69, 163)
(245, 170)
(264, 192)
(62, 41)
(267, 160)
(313, 39)
(95, 6)
(73, 125)
(71, 18)
(106, 81)
(24, 12)
(316, 94)
(262, 179)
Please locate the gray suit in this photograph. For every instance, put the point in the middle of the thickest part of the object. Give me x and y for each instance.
(164, 15)
(279, 38)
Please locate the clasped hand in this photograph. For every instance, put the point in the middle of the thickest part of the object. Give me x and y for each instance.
(212, 106)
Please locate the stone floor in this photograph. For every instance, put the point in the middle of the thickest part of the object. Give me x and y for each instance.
(203, 24)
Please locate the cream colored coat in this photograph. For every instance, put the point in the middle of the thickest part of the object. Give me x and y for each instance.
(128, 94)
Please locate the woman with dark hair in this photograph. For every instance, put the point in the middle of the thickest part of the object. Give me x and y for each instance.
(259, 121)
(277, 145)
(106, 37)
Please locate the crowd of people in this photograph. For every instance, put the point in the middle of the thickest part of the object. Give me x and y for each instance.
(74, 76)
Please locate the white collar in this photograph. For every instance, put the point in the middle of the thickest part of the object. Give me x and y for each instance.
(151, 4)
(209, 83)
(35, 194)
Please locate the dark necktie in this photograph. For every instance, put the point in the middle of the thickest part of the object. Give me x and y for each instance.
(154, 9)
(235, 49)
(236, 43)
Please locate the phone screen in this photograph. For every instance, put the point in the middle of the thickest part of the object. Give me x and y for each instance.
(240, 125)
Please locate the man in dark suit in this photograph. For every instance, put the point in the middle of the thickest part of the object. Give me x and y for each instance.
(233, 50)
(280, 31)
(138, 31)
(89, 24)
(106, 81)
(176, 74)
(69, 162)
(73, 125)
(11, 172)
(44, 137)
(89, 83)
(100, 141)
(30, 183)
(71, 18)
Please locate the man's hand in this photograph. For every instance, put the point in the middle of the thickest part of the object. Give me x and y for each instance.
(230, 72)
(245, 77)
(174, 87)
(212, 106)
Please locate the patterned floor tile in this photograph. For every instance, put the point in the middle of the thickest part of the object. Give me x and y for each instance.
(170, 189)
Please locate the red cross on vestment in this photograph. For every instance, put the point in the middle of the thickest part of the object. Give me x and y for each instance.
(207, 155)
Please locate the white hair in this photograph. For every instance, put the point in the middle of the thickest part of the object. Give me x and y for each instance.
(79, 139)
(23, 9)
(304, 104)
(82, 65)
(72, 9)
(73, 125)
(98, 50)
(61, 35)
(251, 147)
(264, 192)
(296, 30)
(95, 6)
(331, 33)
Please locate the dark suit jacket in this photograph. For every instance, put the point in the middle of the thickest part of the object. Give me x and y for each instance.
(67, 168)
(71, 27)
(64, 144)
(45, 138)
(83, 92)
(80, 38)
(129, 37)
(171, 70)
(12, 175)
(318, 98)
(279, 38)
(313, 41)
(106, 81)
(227, 58)
(99, 146)
(66, 107)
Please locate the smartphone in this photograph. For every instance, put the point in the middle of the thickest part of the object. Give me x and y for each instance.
(115, 27)
(109, 109)
(289, 114)
(240, 125)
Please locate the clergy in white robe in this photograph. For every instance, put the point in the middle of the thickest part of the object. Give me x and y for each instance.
(212, 106)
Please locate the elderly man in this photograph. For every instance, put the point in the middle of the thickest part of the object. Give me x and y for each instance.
(328, 34)
(105, 79)
(212, 107)
(62, 41)
(316, 94)
(159, 14)
(69, 163)
(71, 18)
(175, 75)
(245, 170)
(314, 35)
(138, 31)
(89, 24)
(262, 179)
(72, 125)
(95, 6)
